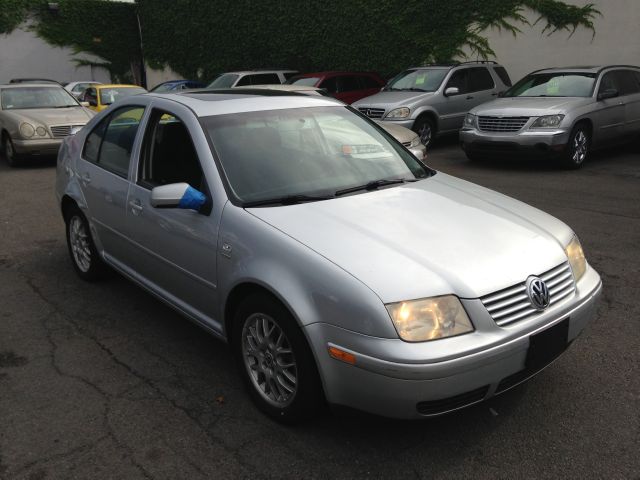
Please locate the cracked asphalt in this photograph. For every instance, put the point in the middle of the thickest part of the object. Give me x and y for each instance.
(103, 381)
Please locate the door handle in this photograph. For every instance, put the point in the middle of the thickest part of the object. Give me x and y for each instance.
(86, 178)
(494, 94)
(470, 97)
(136, 206)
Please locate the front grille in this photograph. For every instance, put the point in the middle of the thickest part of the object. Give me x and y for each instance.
(512, 304)
(372, 112)
(434, 407)
(501, 124)
(60, 131)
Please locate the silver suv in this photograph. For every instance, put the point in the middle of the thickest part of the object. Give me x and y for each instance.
(434, 100)
(251, 77)
(563, 112)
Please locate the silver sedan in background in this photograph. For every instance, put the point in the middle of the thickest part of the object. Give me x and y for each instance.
(563, 112)
(338, 266)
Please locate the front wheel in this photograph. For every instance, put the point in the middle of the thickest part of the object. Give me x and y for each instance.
(578, 148)
(9, 151)
(275, 360)
(84, 255)
(426, 130)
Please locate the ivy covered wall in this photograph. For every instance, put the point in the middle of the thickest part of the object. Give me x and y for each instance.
(202, 38)
(199, 38)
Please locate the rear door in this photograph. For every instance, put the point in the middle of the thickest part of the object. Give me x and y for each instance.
(482, 87)
(629, 81)
(103, 170)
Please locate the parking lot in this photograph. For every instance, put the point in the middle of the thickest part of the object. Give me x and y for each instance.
(103, 380)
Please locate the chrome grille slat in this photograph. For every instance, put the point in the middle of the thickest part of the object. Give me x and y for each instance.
(501, 124)
(60, 131)
(372, 112)
(512, 304)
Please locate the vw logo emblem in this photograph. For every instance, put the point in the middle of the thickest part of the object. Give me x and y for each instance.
(538, 293)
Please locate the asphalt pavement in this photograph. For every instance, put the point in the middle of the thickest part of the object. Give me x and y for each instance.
(103, 381)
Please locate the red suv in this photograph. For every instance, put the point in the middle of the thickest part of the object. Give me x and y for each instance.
(345, 86)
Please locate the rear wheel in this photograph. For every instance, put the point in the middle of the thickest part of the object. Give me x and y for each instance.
(84, 255)
(579, 146)
(9, 151)
(426, 130)
(275, 360)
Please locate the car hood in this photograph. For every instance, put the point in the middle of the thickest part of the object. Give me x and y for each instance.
(402, 134)
(434, 237)
(388, 100)
(530, 106)
(52, 116)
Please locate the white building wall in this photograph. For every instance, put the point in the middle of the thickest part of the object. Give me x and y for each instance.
(617, 41)
(23, 54)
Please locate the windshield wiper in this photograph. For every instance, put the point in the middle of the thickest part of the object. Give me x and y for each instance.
(374, 185)
(287, 200)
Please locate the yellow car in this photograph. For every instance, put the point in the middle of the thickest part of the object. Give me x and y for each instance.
(99, 97)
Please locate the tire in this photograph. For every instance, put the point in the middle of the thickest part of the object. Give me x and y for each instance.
(578, 147)
(285, 386)
(426, 130)
(82, 250)
(9, 151)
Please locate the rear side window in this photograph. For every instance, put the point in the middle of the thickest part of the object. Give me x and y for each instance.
(109, 145)
(627, 82)
(503, 75)
(260, 79)
(348, 83)
(330, 85)
(480, 79)
(288, 75)
(369, 82)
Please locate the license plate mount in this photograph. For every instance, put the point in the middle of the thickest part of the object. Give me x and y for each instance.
(547, 345)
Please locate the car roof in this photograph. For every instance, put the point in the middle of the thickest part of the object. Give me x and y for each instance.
(244, 72)
(333, 72)
(117, 85)
(206, 103)
(31, 85)
(283, 87)
(583, 69)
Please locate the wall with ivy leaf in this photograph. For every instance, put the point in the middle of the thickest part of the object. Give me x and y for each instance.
(202, 38)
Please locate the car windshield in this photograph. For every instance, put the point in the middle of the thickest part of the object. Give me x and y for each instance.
(163, 87)
(224, 80)
(421, 80)
(556, 84)
(113, 94)
(313, 152)
(306, 81)
(36, 97)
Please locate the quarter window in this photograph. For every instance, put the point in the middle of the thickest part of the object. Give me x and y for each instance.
(504, 76)
(110, 143)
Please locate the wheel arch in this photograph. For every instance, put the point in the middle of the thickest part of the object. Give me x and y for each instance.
(431, 115)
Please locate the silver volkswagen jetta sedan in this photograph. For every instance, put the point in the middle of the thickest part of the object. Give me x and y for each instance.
(338, 266)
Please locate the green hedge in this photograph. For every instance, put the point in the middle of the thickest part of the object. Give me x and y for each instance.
(201, 38)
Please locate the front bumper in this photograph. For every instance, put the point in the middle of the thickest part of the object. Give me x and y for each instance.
(420, 152)
(527, 142)
(390, 379)
(407, 123)
(39, 147)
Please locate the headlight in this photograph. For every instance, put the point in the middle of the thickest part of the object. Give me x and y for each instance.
(548, 121)
(41, 131)
(27, 130)
(470, 120)
(576, 258)
(402, 112)
(429, 318)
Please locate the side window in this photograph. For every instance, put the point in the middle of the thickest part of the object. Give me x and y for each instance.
(637, 75)
(503, 75)
(168, 154)
(480, 79)
(288, 75)
(627, 82)
(348, 83)
(91, 96)
(458, 80)
(369, 82)
(246, 80)
(330, 85)
(609, 82)
(117, 143)
(265, 79)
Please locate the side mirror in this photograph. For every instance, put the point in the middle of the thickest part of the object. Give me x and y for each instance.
(178, 195)
(608, 93)
(451, 91)
(85, 104)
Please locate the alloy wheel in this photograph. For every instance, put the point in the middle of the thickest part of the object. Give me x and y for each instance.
(269, 360)
(79, 241)
(425, 132)
(580, 147)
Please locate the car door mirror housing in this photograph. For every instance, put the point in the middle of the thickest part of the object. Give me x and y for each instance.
(85, 104)
(608, 93)
(451, 91)
(178, 195)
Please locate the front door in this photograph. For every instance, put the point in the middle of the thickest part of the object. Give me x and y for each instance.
(103, 170)
(453, 108)
(173, 249)
(609, 122)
